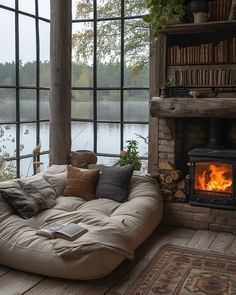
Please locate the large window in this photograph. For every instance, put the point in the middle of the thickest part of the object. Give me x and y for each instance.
(24, 82)
(109, 77)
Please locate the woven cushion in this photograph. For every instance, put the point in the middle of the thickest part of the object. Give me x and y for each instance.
(30, 197)
(81, 183)
(81, 159)
(113, 182)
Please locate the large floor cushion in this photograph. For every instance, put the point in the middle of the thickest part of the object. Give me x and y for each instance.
(115, 230)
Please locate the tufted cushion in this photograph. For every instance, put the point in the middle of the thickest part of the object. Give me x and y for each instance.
(113, 182)
(81, 183)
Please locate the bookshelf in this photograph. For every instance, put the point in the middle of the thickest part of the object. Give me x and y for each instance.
(197, 56)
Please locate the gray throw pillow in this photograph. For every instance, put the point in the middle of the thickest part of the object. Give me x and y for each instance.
(30, 197)
(113, 182)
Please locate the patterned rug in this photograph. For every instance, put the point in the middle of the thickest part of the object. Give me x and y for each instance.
(178, 270)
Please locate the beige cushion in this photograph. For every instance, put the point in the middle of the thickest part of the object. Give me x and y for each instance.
(115, 230)
(81, 183)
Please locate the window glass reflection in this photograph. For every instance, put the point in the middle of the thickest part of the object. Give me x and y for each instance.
(82, 136)
(44, 42)
(27, 51)
(8, 140)
(44, 8)
(136, 53)
(82, 54)
(44, 136)
(27, 6)
(136, 105)
(108, 137)
(82, 9)
(27, 104)
(7, 105)
(137, 132)
(27, 138)
(108, 105)
(82, 104)
(7, 48)
(108, 8)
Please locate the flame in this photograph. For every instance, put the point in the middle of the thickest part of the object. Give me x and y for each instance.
(216, 178)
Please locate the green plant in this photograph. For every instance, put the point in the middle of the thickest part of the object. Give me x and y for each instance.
(130, 155)
(162, 11)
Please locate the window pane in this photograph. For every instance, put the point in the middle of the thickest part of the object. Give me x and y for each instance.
(44, 136)
(27, 51)
(82, 54)
(82, 136)
(137, 132)
(7, 48)
(7, 105)
(136, 47)
(108, 8)
(45, 160)
(136, 105)
(27, 138)
(26, 167)
(9, 171)
(108, 137)
(44, 8)
(9, 3)
(27, 6)
(108, 161)
(44, 106)
(8, 140)
(82, 104)
(27, 104)
(82, 9)
(108, 105)
(135, 7)
(44, 41)
(108, 53)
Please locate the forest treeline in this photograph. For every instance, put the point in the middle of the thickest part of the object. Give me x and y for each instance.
(108, 75)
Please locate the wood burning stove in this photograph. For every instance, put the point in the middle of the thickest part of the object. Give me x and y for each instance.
(213, 172)
(212, 177)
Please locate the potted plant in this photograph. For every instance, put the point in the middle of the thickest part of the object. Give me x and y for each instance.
(161, 12)
(199, 10)
(130, 155)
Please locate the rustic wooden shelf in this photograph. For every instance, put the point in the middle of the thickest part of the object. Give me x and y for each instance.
(192, 28)
(183, 107)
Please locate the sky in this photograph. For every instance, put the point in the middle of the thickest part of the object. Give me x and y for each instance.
(27, 47)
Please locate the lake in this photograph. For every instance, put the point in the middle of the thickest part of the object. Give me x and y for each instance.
(108, 134)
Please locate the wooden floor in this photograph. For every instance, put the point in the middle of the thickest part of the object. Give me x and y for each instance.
(17, 282)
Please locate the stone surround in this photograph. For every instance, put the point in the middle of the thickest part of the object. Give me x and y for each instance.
(194, 217)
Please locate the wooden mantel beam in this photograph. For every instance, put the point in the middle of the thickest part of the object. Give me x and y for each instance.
(182, 107)
(60, 98)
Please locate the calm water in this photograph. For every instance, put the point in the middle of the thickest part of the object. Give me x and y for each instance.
(108, 134)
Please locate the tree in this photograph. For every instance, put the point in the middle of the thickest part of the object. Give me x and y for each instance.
(136, 34)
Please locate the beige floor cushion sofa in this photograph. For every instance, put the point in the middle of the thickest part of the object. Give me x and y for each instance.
(115, 229)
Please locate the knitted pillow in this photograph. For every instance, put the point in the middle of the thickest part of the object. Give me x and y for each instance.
(81, 183)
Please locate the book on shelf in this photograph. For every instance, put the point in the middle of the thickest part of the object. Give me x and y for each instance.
(69, 231)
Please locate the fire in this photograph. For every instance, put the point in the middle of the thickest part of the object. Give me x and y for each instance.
(215, 177)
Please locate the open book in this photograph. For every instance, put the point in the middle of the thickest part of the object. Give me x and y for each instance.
(69, 231)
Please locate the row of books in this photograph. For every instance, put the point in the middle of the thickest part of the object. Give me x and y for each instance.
(219, 10)
(198, 77)
(222, 52)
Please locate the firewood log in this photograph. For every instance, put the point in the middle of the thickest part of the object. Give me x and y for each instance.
(176, 174)
(179, 194)
(167, 165)
(181, 185)
(168, 179)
